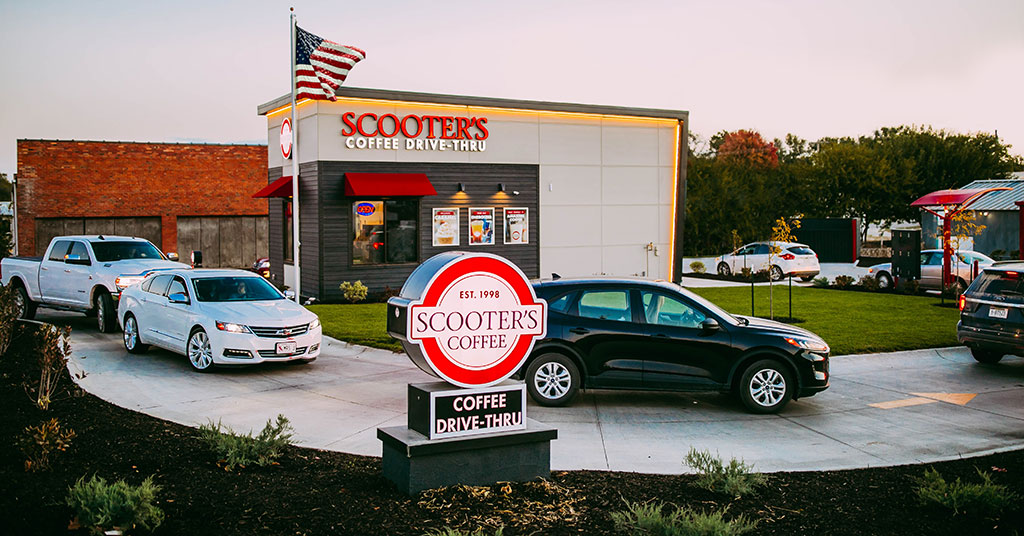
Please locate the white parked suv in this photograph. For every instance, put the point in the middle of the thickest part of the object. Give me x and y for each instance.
(791, 258)
(217, 317)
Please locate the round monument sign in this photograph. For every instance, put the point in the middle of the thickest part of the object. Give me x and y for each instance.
(476, 320)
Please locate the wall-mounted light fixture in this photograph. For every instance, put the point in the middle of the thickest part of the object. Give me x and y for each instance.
(501, 187)
(515, 192)
(462, 187)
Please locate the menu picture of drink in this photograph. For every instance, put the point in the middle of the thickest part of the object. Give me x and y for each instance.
(481, 226)
(517, 226)
(446, 226)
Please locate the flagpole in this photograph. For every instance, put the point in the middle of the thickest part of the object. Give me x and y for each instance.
(295, 172)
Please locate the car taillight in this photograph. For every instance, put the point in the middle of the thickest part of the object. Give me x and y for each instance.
(961, 302)
(788, 256)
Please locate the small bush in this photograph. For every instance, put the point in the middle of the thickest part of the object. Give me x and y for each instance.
(844, 281)
(8, 316)
(448, 531)
(697, 267)
(867, 282)
(237, 450)
(761, 275)
(649, 519)
(55, 349)
(912, 286)
(353, 292)
(746, 272)
(820, 282)
(41, 443)
(985, 499)
(101, 507)
(736, 479)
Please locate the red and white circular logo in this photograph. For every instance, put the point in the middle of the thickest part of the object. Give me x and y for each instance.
(286, 138)
(477, 321)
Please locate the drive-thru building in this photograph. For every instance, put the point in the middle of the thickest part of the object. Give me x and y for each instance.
(389, 179)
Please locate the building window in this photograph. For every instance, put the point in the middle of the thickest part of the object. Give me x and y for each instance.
(385, 231)
(288, 231)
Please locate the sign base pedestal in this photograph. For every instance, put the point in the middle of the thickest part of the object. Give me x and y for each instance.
(415, 463)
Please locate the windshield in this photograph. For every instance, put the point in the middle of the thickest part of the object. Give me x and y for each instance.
(119, 251)
(711, 306)
(241, 288)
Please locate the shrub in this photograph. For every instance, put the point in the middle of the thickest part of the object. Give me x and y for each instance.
(54, 351)
(912, 286)
(736, 479)
(448, 531)
(844, 281)
(102, 507)
(984, 499)
(8, 316)
(761, 275)
(867, 282)
(697, 267)
(746, 272)
(237, 450)
(40, 443)
(649, 519)
(820, 282)
(353, 292)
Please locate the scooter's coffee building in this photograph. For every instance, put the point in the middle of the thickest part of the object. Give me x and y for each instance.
(389, 179)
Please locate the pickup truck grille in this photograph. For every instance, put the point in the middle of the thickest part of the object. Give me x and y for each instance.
(280, 333)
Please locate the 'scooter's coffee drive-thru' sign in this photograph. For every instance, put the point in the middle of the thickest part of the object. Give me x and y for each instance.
(470, 319)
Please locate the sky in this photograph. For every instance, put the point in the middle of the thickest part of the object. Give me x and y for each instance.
(195, 71)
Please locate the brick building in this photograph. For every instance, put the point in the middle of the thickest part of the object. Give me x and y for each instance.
(180, 196)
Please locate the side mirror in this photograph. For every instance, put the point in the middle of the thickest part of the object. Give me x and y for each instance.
(77, 259)
(290, 294)
(172, 256)
(710, 324)
(178, 297)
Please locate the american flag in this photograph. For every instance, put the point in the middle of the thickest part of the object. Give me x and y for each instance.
(321, 65)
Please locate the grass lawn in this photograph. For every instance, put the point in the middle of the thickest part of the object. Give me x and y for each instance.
(361, 323)
(852, 322)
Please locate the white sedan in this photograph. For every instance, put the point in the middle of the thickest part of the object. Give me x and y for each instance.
(217, 317)
(790, 258)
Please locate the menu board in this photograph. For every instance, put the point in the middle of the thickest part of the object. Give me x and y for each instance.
(481, 226)
(446, 226)
(517, 225)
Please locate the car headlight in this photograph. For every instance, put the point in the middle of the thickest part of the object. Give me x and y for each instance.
(808, 344)
(124, 281)
(232, 328)
(314, 324)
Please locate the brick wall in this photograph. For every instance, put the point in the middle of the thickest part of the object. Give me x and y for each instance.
(82, 179)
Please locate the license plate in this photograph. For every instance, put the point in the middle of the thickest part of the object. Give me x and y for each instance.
(997, 312)
(288, 348)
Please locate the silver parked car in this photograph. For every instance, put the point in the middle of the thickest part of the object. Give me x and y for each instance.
(961, 266)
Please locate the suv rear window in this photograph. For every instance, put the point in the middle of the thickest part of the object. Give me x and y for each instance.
(1000, 283)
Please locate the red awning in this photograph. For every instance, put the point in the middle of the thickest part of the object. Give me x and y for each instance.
(953, 197)
(387, 184)
(280, 188)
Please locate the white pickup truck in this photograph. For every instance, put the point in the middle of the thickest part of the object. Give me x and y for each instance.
(83, 273)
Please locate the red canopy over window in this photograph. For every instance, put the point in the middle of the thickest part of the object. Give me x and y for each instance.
(280, 188)
(953, 197)
(387, 184)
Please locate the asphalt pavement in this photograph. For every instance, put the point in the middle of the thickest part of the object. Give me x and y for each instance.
(881, 409)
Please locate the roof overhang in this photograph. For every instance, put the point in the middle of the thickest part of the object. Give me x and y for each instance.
(953, 201)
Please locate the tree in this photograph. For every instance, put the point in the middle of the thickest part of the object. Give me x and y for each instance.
(5, 188)
(782, 231)
(746, 147)
(6, 240)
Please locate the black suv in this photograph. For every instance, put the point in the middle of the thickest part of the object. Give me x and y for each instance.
(992, 313)
(638, 334)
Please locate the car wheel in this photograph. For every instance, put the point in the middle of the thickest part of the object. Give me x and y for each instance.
(132, 342)
(552, 380)
(200, 355)
(23, 304)
(766, 386)
(884, 281)
(105, 319)
(989, 357)
(723, 269)
(776, 273)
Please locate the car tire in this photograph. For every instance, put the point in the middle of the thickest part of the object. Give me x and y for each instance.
(806, 278)
(776, 273)
(25, 306)
(198, 351)
(132, 341)
(723, 269)
(989, 357)
(766, 386)
(106, 320)
(552, 380)
(884, 281)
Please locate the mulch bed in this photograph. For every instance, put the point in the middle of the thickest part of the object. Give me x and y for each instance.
(318, 492)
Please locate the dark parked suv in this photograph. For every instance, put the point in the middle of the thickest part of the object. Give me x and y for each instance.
(637, 334)
(992, 313)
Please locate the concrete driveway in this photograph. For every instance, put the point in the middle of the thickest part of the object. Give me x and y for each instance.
(883, 409)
